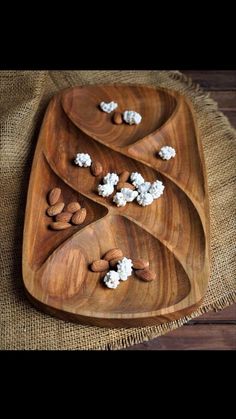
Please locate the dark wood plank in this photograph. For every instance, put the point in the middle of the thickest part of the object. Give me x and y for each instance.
(200, 337)
(231, 115)
(228, 315)
(225, 100)
(213, 80)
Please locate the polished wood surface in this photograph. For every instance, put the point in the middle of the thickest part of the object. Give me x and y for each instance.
(172, 233)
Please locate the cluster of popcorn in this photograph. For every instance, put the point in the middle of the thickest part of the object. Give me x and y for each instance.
(124, 270)
(145, 192)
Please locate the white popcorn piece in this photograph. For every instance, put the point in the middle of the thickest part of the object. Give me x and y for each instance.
(112, 279)
(105, 190)
(132, 117)
(111, 178)
(145, 199)
(167, 152)
(156, 189)
(119, 199)
(144, 187)
(136, 178)
(124, 268)
(128, 194)
(83, 160)
(108, 107)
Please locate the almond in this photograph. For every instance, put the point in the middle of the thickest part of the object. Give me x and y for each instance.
(59, 225)
(79, 216)
(99, 265)
(113, 254)
(114, 262)
(145, 274)
(117, 118)
(72, 207)
(96, 168)
(140, 264)
(124, 176)
(55, 209)
(64, 216)
(54, 195)
(121, 185)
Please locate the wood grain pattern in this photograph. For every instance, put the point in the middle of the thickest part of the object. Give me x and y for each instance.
(201, 337)
(214, 80)
(226, 100)
(172, 233)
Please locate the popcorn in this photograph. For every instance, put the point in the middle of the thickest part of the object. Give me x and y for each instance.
(111, 178)
(112, 279)
(119, 199)
(136, 178)
(156, 189)
(108, 107)
(144, 187)
(167, 152)
(145, 199)
(124, 268)
(105, 190)
(83, 160)
(128, 194)
(132, 117)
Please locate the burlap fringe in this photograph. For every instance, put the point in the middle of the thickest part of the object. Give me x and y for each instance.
(204, 105)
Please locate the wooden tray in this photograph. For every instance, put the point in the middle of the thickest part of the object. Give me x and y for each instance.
(172, 233)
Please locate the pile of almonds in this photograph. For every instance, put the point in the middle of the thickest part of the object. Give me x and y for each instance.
(111, 258)
(64, 216)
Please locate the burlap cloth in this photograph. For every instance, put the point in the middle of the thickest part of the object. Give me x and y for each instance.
(24, 96)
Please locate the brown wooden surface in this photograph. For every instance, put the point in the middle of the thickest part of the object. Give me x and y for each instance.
(172, 233)
(211, 330)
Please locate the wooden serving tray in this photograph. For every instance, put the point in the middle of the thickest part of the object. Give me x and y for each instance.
(172, 233)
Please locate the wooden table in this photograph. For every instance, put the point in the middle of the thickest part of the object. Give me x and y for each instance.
(211, 330)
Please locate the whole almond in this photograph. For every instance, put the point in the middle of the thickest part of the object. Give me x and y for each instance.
(124, 176)
(121, 185)
(72, 207)
(140, 263)
(79, 216)
(145, 274)
(59, 225)
(55, 209)
(113, 254)
(117, 118)
(54, 195)
(99, 265)
(64, 216)
(114, 262)
(96, 168)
